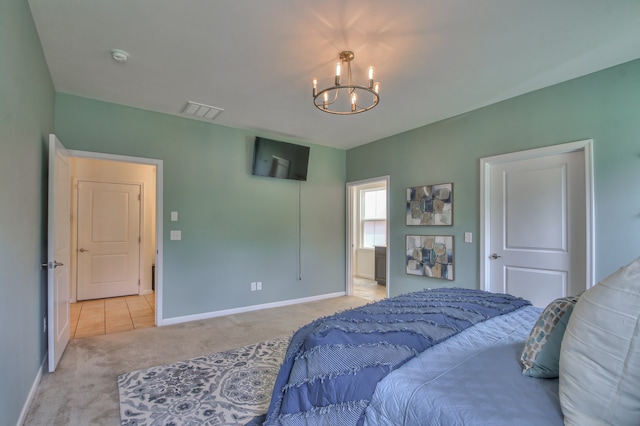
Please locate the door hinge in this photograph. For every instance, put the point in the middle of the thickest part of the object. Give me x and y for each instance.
(139, 240)
(139, 199)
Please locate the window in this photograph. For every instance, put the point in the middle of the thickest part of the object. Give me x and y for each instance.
(373, 218)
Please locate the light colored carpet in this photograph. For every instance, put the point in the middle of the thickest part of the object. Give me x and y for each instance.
(225, 388)
(84, 390)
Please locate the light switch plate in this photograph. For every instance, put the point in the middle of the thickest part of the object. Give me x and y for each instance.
(176, 235)
(174, 216)
(468, 238)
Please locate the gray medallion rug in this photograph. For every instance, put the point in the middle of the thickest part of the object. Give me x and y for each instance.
(225, 388)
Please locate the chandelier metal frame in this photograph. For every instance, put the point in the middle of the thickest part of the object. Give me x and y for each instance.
(355, 94)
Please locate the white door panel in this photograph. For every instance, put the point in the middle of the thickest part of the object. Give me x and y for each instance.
(536, 285)
(58, 252)
(108, 239)
(535, 199)
(537, 225)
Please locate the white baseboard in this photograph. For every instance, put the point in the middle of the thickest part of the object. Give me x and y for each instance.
(366, 276)
(146, 292)
(206, 315)
(32, 393)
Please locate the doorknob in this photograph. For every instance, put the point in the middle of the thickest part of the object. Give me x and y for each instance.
(51, 265)
(82, 250)
(495, 256)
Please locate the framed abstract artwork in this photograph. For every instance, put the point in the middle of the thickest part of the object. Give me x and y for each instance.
(430, 256)
(430, 204)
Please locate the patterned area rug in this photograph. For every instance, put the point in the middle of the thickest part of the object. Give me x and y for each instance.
(226, 388)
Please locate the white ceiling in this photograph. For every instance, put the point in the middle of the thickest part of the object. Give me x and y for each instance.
(255, 59)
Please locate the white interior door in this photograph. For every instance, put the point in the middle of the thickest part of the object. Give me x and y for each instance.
(538, 227)
(108, 239)
(59, 216)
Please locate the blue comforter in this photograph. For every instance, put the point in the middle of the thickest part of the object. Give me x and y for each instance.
(333, 364)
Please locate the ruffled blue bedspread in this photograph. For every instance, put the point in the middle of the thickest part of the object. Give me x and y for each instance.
(333, 364)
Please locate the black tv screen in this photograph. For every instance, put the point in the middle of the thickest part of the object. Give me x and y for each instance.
(280, 159)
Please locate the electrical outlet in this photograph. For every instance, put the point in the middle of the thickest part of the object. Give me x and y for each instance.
(259, 285)
(253, 286)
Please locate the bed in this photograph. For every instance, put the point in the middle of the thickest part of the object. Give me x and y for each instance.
(474, 378)
(347, 368)
(455, 357)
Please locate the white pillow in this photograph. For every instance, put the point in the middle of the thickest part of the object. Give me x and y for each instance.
(600, 354)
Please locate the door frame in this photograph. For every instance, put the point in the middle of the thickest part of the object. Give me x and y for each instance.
(585, 146)
(159, 220)
(351, 211)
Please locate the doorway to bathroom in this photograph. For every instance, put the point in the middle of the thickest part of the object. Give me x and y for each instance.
(367, 241)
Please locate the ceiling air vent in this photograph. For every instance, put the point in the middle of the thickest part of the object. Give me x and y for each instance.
(201, 111)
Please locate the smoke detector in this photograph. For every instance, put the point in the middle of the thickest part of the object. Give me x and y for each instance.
(119, 55)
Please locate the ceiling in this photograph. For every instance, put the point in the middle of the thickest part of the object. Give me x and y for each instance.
(255, 59)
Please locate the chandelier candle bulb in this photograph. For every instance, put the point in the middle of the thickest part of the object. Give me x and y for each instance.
(315, 87)
(354, 99)
(325, 102)
(371, 77)
(376, 87)
(338, 66)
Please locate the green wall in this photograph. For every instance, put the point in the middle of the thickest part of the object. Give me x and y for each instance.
(236, 228)
(604, 106)
(26, 118)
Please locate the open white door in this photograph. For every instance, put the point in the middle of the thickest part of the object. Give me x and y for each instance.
(58, 255)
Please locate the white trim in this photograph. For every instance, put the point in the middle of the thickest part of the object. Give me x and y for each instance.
(485, 169)
(214, 314)
(350, 186)
(32, 392)
(159, 208)
(349, 240)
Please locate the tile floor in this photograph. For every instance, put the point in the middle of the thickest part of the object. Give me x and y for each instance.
(369, 289)
(105, 316)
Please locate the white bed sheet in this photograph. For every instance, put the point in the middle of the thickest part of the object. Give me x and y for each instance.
(473, 378)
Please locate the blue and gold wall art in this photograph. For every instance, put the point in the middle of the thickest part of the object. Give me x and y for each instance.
(430, 204)
(430, 256)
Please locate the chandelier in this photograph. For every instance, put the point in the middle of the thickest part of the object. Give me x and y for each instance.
(346, 98)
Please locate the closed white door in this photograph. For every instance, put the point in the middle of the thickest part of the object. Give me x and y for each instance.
(537, 227)
(108, 239)
(58, 252)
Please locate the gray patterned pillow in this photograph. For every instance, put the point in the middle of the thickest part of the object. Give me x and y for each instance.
(541, 354)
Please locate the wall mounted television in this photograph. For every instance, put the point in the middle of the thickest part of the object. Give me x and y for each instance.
(281, 160)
